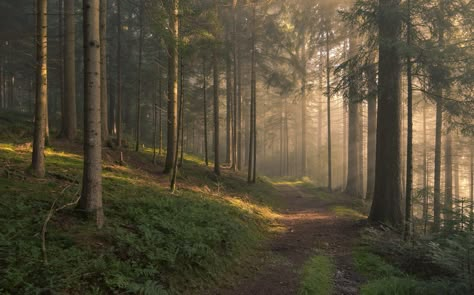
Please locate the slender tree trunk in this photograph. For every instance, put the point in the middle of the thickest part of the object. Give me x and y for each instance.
(41, 108)
(471, 189)
(139, 79)
(91, 198)
(175, 160)
(119, 75)
(61, 63)
(371, 130)
(253, 108)
(69, 115)
(155, 116)
(353, 177)
(240, 158)
(328, 93)
(448, 181)
(217, 169)
(181, 94)
(303, 111)
(235, 82)
(386, 203)
(439, 125)
(425, 175)
(409, 171)
(204, 75)
(160, 114)
(103, 70)
(172, 140)
(229, 107)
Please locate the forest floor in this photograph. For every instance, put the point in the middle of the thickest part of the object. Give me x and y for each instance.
(316, 223)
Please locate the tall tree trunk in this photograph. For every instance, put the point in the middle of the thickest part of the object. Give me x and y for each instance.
(204, 76)
(409, 171)
(235, 82)
(253, 107)
(371, 130)
(229, 107)
(425, 175)
(240, 158)
(471, 189)
(172, 140)
(156, 95)
(448, 181)
(61, 48)
(328, 93)
(303, 110)
(439, 125)
(160, 114)
(215, 71)
(70, 114)
(41, 108)
(119, 75)
(139, 79)
(91, 198)
(103, 70)
(181, 101)
(353, 177)
(386, 203)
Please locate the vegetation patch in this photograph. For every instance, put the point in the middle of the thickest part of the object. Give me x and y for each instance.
(342, 211)
(153, 241)
(318, 276)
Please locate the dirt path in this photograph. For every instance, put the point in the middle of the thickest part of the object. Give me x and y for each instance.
(311, 224)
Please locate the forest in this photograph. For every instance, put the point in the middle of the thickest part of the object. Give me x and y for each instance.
(232, 147)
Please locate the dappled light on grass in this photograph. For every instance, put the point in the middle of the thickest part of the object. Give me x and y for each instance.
(345, 212)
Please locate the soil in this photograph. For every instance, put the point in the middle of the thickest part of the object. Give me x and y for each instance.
(311, 226)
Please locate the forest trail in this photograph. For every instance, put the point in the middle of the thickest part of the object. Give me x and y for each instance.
(312, 224)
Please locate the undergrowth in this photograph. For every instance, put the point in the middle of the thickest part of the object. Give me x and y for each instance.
(153, 243)
(318, 275)
(423, 266)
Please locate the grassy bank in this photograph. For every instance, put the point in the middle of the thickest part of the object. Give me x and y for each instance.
(153, 240)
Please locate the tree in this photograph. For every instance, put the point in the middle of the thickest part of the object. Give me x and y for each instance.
(119, 75)
(139, 79)
(69, 110)
(409, 182)
(215, 72)
(354, 183)
(371, 128)
(173, 58)
(40, 128)
(91, 197)
(103, 70)
(386, 203)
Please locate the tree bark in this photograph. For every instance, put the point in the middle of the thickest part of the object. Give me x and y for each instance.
(103, 71)
(371, 130)
(448, 181)
(91, 197)
(139, 80)
(215, 71)
(41, 108)
(229, 106)
(386, 203)
(119, 75)
(354, 149)
(328, 94)
(69, 109)
(409, 168)
(204, 74)
(172, 140)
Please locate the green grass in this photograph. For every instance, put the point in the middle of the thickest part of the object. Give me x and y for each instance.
(386, 279)
(345, 212)
(153, 241)
(318, 276)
